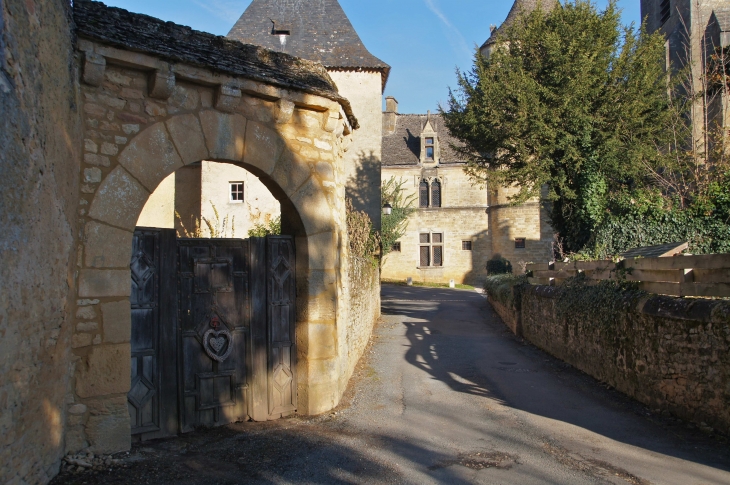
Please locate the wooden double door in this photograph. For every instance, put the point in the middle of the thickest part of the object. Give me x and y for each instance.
(212, 332)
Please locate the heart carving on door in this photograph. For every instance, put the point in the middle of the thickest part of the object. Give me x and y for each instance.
(218, 344)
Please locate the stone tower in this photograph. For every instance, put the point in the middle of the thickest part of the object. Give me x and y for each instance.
(518, 7)
(319, 30)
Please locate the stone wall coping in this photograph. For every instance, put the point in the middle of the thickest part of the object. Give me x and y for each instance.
(138, 40)
(693, 309)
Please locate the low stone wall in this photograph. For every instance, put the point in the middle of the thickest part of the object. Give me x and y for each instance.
(364, 293)
(672, 354)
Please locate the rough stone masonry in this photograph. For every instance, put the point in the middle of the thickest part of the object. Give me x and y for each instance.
(96, 112)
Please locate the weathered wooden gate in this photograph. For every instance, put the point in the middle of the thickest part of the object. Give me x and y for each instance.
(212, 331)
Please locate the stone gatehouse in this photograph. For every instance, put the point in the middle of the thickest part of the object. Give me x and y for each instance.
(95, 117)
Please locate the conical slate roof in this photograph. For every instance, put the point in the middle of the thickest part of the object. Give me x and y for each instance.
(518, 7)
(318, 30)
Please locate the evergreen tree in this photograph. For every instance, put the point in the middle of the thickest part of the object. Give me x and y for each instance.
(569, 99)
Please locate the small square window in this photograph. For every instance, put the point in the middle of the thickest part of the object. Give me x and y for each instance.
(520, 243)
(429, 141)
(236, 192)
(466, 245)
(395, 247)
(425, 238)
(438, 238)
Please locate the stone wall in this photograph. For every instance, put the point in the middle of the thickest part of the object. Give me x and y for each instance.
(364, 310)
(39, 168)
(672, 354)
(364, 89)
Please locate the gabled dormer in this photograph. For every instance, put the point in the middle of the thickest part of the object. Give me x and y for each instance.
(430, 149)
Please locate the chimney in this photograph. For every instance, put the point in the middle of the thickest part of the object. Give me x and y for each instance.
(391, 104)
(391, 114)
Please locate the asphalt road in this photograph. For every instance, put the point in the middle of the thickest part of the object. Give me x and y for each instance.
(445, 394)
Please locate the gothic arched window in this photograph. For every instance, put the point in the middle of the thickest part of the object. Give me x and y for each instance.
(435, 193)
(423, 194)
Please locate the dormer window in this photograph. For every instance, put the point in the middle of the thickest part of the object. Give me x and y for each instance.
(429, 141)
(282, 31)
(430, 149)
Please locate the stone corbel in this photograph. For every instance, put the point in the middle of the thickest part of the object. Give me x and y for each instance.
(284, 111)
(161, 84)
(94, 67)
(331, 118)
(227, 98)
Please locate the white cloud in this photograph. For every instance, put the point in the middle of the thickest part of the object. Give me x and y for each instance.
(457, 41)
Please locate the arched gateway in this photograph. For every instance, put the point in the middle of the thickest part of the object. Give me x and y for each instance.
(157, 97)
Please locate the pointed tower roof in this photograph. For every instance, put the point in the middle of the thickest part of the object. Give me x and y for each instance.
(318, 30)
(519, 7)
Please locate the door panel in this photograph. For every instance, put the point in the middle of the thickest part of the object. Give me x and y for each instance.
(212, 331)
(152, 399)
(282, 351)
(215, 330)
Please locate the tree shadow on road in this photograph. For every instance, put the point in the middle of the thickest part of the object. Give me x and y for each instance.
(456, 338)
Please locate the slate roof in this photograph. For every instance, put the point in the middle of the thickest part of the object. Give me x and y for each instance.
(177, 43)
(403, 146)
(723, 19)
(319, 31)
(519, 6)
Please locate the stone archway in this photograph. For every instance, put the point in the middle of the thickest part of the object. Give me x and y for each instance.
(293, 147)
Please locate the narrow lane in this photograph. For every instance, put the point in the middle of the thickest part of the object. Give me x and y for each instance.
(445, 394)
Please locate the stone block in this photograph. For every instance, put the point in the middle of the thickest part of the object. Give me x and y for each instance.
(87, 327)
(322, 397)
(283, 111)
(322, 251)
(290, 172)
(109, 148)
(106, 370)
(104, 282)
(151, 156)
(322, 371)
(313, 208)
(227, 98)
(117, 321)
(81, 340)
(161, 84)
(186, 99)
(322, 308)
(119, 200)
(322, 341)
(106, 246)
(263, 147)
(108, 428)
(187, 135)
(94, 67)
(77, 409)
(225, 135)
(86, 313)
(92, 175)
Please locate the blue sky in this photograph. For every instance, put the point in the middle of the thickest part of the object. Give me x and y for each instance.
(424, 41)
